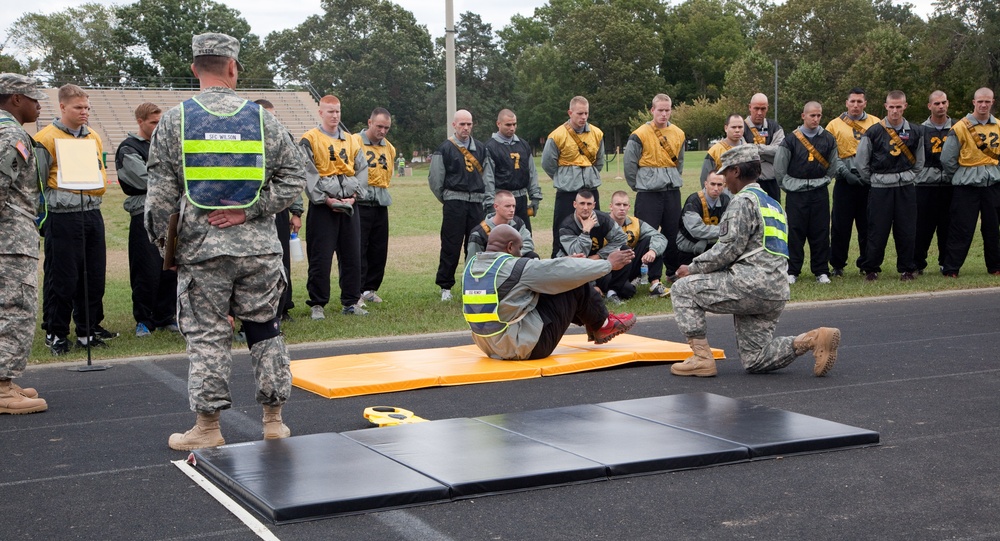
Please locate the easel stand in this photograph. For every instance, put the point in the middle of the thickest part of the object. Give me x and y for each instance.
(90, 367)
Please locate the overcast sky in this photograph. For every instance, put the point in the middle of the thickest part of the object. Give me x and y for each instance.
(266, 16)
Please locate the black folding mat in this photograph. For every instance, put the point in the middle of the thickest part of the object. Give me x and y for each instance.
(322, 475)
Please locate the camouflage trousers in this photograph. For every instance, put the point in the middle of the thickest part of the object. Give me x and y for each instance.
(252, 287)
(18, 312)
(755, 319)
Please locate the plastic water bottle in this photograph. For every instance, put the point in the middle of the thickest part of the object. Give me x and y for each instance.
(645, 274)
(295, 247)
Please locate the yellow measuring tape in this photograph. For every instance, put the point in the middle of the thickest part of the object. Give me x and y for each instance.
(390, 416)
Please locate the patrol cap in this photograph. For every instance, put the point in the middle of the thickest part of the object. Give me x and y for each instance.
(212, 44)
(738, 155)
(12, 83)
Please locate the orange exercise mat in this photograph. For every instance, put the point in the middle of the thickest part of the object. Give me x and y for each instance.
(390, 371)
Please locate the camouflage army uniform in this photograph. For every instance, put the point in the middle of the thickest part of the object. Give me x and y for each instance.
(238, 266)
(725, 280)
(18, 246)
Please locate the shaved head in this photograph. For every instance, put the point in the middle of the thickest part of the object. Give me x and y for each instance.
(505, 239)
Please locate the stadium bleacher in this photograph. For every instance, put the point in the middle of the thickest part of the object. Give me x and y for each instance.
(112, 111)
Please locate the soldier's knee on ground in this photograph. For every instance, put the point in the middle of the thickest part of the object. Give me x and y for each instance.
(259, 332)
(627, 291)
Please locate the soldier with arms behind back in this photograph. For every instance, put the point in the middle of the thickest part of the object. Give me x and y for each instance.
(227, 254)
(653, 164)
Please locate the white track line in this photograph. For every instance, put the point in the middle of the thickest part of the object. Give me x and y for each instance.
(409, 526)
(251, 521)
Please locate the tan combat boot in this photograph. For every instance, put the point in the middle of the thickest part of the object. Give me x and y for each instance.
(823, 343)
(701, 364)
(273, 427)
(29, 392)
(206, 433)
(15, 403)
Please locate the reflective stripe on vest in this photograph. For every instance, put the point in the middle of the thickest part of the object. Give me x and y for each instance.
(775, 225)
(223, 155)
(480, 300)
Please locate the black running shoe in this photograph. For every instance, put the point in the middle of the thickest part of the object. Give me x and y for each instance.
(104, 334)
(58, 345)
(95, 342)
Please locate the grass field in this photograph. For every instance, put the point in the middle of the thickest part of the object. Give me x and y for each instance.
(412, 300)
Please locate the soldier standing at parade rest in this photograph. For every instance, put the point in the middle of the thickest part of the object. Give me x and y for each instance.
(511, 167)
(734, 138)
(805, 165)
(744, 275)
(154, 290)
(767, 134)
(850, 195)
(19, 190)
(373, 204)
(933, 191)
(336, 170)
(73, 228)
(969, 160)
(890, 156)
(227, 250)
(456, 180)
(653, 164)
(573, 156)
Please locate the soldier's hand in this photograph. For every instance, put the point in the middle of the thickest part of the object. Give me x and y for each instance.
(533, 207)
(223, 218)
(620, 258)
(852, 177)
(682, 271)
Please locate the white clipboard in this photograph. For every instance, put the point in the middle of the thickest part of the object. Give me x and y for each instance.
(79, 165)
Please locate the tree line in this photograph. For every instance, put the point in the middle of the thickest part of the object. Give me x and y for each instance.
(710, 56)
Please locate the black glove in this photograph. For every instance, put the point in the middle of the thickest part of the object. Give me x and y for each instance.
(533, 207)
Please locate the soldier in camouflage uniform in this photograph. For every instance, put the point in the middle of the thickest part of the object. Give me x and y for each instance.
(744, 275)
(19, 186)
(227, 252)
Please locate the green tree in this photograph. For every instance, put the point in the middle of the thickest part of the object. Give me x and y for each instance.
(940, 63)
(751, 74)
(641, 117)
(826, 32)
(10, 64)
(542, 100)
(606, 50)
(521, 34)
(76, 45)
(615, 68)
(484, 77)
(806, 83)
(978, 36)
(702, 119)
(162, 31)
(370, 53)
(702, 38)
(884, 63)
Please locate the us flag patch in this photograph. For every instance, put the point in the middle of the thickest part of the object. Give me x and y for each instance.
(23, 149)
